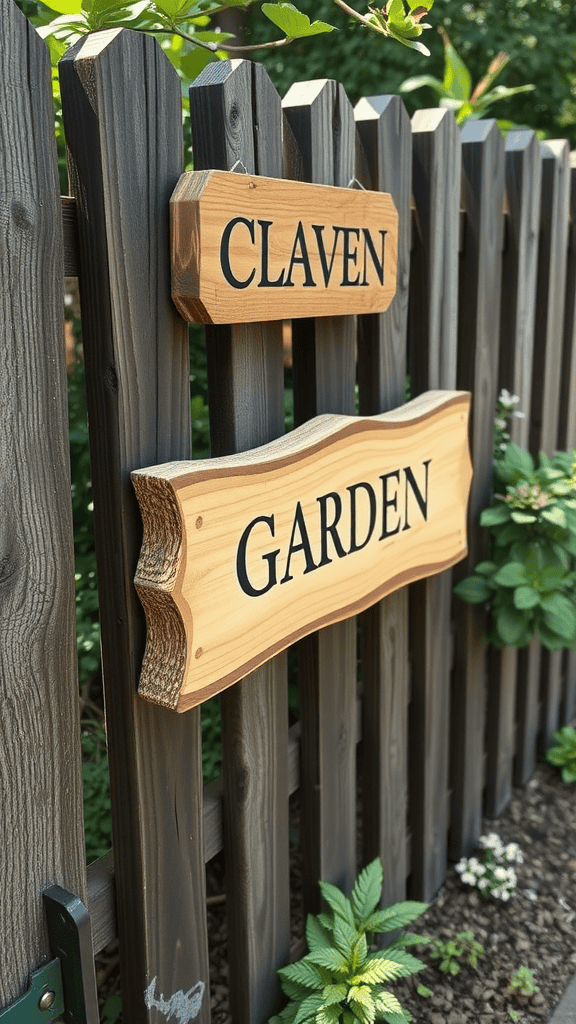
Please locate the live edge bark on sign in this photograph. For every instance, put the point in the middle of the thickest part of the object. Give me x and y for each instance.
(245, 554)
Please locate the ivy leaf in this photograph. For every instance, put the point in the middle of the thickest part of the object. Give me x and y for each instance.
(292, 22)
(367, 890)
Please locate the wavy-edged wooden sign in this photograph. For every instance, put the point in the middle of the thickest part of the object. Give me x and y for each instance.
(248, 248)
(243, 555)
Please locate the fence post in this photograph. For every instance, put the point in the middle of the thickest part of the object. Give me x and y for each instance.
(236, 116)
(322, 122)
(509, 697)
(40, 762)
(384, 131)
(567, 435)
(547, 366)
(123, 121)
(433, 350)
(478, 336)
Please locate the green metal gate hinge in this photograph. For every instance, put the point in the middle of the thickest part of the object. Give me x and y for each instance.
(65, 988)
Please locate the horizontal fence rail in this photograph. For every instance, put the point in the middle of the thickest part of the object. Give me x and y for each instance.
(409, 730)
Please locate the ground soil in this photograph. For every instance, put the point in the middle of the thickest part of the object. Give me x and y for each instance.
(536, 929)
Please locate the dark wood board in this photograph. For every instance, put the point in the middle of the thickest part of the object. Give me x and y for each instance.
(478, 341)
(40, 759)
(384, 133)
(236, 116)
(517, 316)
(567, 431)
(122, 115)
(322, 124)
(547, 367)
(437, 162)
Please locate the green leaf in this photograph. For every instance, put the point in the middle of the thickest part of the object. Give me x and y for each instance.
(64, 6)
(419, 81)
(337, 902)
(329, 1014)
(512, 574)
(191, 64)
(397, 915)
(112, 1008)
(367, 890)
(554, 515)
(473, 589)
(291, 21)
(334, 994)
(331, 958)
(457, 78)
(560, 615)
(308, 1007)
(517, 464)
(523, 517)
(526, 597)
(485, 568)
(510, 624)
(376, 971)
(316, 936)
(303, 973)
(495, 516)
(345, 936)
(387, 1003)
(409, 964)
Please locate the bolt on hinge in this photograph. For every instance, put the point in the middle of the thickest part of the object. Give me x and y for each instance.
(65, 988)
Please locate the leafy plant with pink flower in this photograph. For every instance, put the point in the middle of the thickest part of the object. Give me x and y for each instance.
(529, 581)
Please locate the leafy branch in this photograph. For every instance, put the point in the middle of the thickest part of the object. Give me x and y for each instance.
(187, 20)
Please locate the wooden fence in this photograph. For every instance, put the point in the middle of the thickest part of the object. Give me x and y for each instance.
(486, 299)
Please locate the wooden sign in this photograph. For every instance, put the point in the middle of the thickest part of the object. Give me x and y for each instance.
(243, 555)
(246, 248)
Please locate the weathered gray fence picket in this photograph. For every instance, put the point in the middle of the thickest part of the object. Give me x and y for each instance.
(486, 298)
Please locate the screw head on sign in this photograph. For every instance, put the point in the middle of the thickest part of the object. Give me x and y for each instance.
(47, 1000)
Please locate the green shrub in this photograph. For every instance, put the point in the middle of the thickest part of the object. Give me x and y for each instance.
(341, 980)
(563, 753)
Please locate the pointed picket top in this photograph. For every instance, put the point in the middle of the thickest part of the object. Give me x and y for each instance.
(321, 118)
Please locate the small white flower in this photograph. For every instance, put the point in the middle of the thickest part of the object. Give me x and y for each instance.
(505, 895)
(461, 865)
(519, 415)
(468, 878)
(483, 883)
(496, 893)
(500, 874)
(500, 424)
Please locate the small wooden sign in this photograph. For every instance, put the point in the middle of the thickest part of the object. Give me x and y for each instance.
(243, 555)
(246, 248)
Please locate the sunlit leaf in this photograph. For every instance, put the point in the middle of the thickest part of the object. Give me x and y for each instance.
(64, 6)
(291, 21)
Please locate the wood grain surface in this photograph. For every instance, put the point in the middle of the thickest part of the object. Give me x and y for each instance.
(248, 248)
(244, 556)
(547, 367)
(517, 317)
(384, 134)
(123, 122)
(321, 122)
(437, 162)
(40, 759)
(236, 116)
(567, 428)
(478, 341)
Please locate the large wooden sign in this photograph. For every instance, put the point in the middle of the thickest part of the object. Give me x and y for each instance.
(243, 555)
(247, 248)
